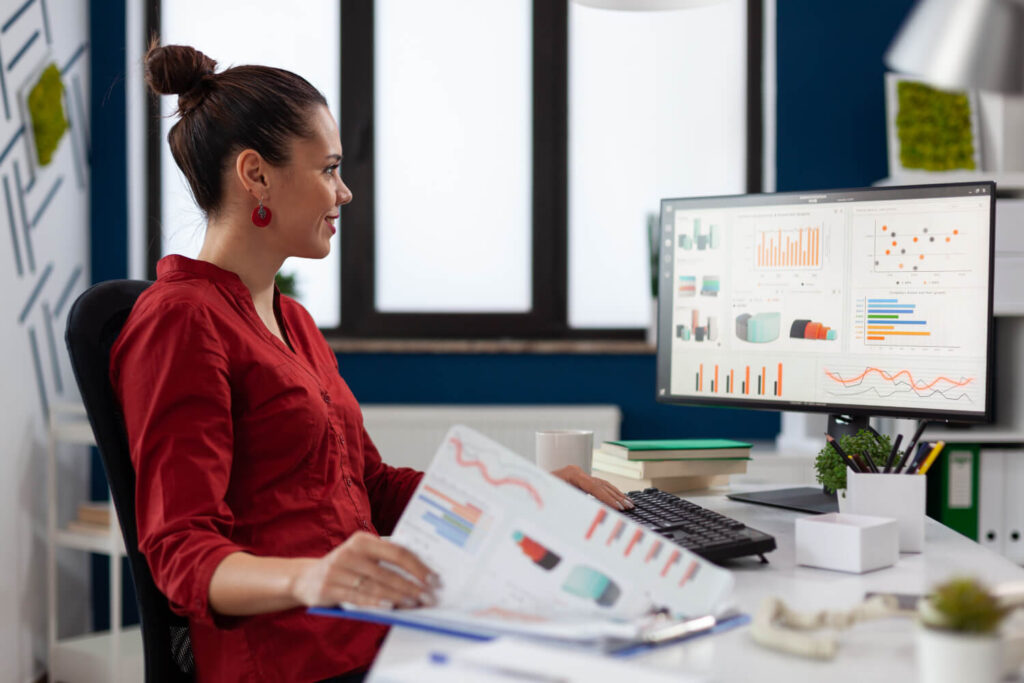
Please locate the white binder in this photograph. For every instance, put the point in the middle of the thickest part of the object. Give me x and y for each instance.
(991, 494)
(1013, 506)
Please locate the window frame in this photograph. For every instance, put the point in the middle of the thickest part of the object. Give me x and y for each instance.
(548, 315)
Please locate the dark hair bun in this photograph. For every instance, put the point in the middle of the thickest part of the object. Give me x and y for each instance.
(176, 70)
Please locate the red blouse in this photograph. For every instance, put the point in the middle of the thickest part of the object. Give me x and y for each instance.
(242, 444)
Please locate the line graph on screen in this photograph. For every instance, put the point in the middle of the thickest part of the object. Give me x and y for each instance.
(870, 381)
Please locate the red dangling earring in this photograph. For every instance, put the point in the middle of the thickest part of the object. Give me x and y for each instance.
(261, 215)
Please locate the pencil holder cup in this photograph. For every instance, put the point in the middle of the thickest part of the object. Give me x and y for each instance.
(898, 496)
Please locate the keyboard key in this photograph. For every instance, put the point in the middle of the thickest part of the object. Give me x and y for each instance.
(709, 534)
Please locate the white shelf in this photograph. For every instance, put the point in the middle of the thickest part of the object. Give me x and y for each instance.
(90, 657)
(972, 435)
(78, 432)
(115, 655)
(1010, 182)
(94, 543)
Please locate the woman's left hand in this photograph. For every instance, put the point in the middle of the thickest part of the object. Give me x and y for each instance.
(598, 488)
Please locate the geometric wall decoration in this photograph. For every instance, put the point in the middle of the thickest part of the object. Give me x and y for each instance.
(29, 191)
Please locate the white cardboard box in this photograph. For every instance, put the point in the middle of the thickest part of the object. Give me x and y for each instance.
(899, 496)
(847, 543)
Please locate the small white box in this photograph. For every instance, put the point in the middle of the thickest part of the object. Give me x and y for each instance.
(899, 496)
(847, 543)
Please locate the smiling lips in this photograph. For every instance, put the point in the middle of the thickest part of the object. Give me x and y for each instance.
(330, 222)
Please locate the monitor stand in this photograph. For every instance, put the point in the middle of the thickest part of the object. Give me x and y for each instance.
(812, 499)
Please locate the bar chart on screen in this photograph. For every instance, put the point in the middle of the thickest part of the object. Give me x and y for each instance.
(745, 380)
(895, 321)
(788, 248)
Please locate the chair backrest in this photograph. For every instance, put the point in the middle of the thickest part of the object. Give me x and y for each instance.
(94, 322)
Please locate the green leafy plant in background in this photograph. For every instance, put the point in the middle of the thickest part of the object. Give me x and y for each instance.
(963, 605)
(934, 128)
(46, 109)
(830, 469)
(286, 283)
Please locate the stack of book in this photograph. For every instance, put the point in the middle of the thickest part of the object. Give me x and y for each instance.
(93, 519)
(672, 465)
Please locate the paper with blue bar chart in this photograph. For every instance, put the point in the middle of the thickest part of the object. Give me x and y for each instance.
(868, 303)
(520, 551)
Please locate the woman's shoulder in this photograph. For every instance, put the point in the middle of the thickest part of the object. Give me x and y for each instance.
(184, 296)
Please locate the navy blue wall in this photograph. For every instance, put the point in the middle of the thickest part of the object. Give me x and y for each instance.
(831, 99)
(108, 241)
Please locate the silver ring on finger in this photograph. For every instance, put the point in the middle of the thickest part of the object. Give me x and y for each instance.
(358, 582)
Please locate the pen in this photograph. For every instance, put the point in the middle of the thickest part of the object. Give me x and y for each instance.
(917, 459)
(871, 463)
(499, 669)
(908, 454)
(842, 455)
(892, 453)
(917, 435)
(680, 629)
(936, 449)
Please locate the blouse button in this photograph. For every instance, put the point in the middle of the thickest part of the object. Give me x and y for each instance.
(348, 481)
(364, 524)
(325, 396)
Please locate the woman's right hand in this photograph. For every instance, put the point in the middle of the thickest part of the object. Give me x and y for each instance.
(361, 571)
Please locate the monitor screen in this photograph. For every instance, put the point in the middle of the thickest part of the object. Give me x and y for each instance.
(873, 301)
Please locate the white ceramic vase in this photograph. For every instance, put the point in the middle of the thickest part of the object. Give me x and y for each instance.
(951, 657)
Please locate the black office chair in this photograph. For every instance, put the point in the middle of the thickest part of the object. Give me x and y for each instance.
(94, 322)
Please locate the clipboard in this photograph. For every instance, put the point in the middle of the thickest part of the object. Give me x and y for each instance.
(631, 639)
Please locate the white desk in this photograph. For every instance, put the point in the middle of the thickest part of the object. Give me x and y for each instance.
(868, 651)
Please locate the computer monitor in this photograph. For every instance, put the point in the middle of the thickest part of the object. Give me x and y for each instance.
(855, 302)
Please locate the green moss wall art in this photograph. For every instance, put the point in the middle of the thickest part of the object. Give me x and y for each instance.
(931, 129)
(46, 110)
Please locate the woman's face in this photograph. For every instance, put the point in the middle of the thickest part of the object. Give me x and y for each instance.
(306, 194)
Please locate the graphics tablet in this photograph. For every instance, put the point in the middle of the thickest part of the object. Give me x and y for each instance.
(802, 499)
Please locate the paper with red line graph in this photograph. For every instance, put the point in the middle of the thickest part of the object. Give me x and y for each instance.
(514, 544)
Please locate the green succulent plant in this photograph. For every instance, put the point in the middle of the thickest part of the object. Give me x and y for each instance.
(963, 605)
(830, 468)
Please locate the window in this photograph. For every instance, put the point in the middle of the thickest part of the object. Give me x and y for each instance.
(504, 157)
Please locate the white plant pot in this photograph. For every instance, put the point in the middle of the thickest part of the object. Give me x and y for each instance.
(950, 657)
(844, 501)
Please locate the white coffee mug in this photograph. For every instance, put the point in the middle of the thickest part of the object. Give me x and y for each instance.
(557, 448)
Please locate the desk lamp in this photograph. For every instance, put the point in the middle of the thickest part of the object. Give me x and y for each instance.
(963, 44)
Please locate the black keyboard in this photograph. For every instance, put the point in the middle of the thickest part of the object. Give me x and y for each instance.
(709, 534)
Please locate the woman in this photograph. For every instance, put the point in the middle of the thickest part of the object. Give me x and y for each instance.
(259, 492)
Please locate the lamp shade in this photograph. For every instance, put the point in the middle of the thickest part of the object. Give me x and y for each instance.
(962, 44)
(645, 5)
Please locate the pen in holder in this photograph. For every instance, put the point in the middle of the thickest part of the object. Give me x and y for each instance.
(897, 496)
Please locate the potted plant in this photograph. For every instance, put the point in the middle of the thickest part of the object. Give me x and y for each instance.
(958, 638)
(830, 468)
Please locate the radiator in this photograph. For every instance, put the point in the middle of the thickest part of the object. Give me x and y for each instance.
(409, 435)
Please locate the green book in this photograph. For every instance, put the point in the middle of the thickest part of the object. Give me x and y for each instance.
(676, 449)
